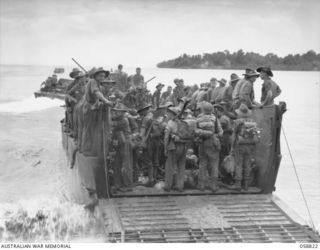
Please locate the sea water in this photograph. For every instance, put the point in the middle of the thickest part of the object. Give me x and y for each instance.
(300, 90)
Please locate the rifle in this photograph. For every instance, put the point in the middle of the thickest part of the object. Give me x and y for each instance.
(183, 109)
(149, 80)
(145, 138)
(79, 65)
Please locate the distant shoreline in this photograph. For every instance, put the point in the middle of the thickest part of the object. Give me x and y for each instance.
(240, 68)
(239, 60)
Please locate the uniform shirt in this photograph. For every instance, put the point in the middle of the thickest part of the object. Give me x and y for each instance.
(228, 93)
(77, 90)
(177, 93)
(138, 81)
(156, 98)
(246, 93)
(164, 97)
(90, 91)
(121, 79)
(132, 123)
(270, 90)
(121, 129)
(236, 91)
(220, 93)
(202, 95)
(146, 123)
(171, 128)
(217, 94)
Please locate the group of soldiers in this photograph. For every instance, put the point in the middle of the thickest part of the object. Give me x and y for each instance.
(187, 136)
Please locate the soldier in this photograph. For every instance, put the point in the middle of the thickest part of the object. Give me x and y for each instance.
(146, 117)
(175, 148)
(74, 96)
(208, 130)
(156, 141)
(156, 95)
(203, 93)
(93, 97)
(225, 121)
(92, 128)
(212, 93)
(178, 91)
(165, 95)
(123, 169)
(244, 139)
(138, 79)
(121, 79)
(220, 91)
(74, 93)
(50, 83)
(270, 90)
(246, 91)
(234, 78)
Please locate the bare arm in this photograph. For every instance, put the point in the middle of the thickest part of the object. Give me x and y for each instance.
(101, 97)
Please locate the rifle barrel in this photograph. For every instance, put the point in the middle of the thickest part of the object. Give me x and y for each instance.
(150, 80)
(79, 65)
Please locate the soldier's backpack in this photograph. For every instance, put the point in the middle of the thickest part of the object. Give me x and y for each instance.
(249, 133)
(157, 128)
(206, 122)
(185, 129)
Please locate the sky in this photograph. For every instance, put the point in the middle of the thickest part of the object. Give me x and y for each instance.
(145, 32)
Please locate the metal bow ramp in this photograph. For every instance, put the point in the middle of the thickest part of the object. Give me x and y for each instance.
(227, 218)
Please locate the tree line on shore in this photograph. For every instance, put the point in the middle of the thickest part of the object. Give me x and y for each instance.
(309, 61)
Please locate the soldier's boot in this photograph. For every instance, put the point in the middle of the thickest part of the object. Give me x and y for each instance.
(237, 185)
(246, 185)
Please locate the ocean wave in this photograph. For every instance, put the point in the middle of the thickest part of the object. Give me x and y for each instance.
(45, 219)
(28, 105)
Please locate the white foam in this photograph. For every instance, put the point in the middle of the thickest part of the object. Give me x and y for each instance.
(28, 105)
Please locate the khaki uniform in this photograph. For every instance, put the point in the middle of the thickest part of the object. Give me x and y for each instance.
(176, 157)
(164, 97)
(138, 81)
(156, 98)
(208, 128)
(177, 93)
(244, 152)
(121, 79)
(151, 158)
(236, 94)
(246, 93)
(123, 169)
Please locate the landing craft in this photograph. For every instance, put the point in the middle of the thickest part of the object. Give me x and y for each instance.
(146, 214)
(58, 70)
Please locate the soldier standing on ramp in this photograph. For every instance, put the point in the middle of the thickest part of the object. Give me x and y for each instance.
(123, 170)
(244, 139)
(208, 130)
(175, 149)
